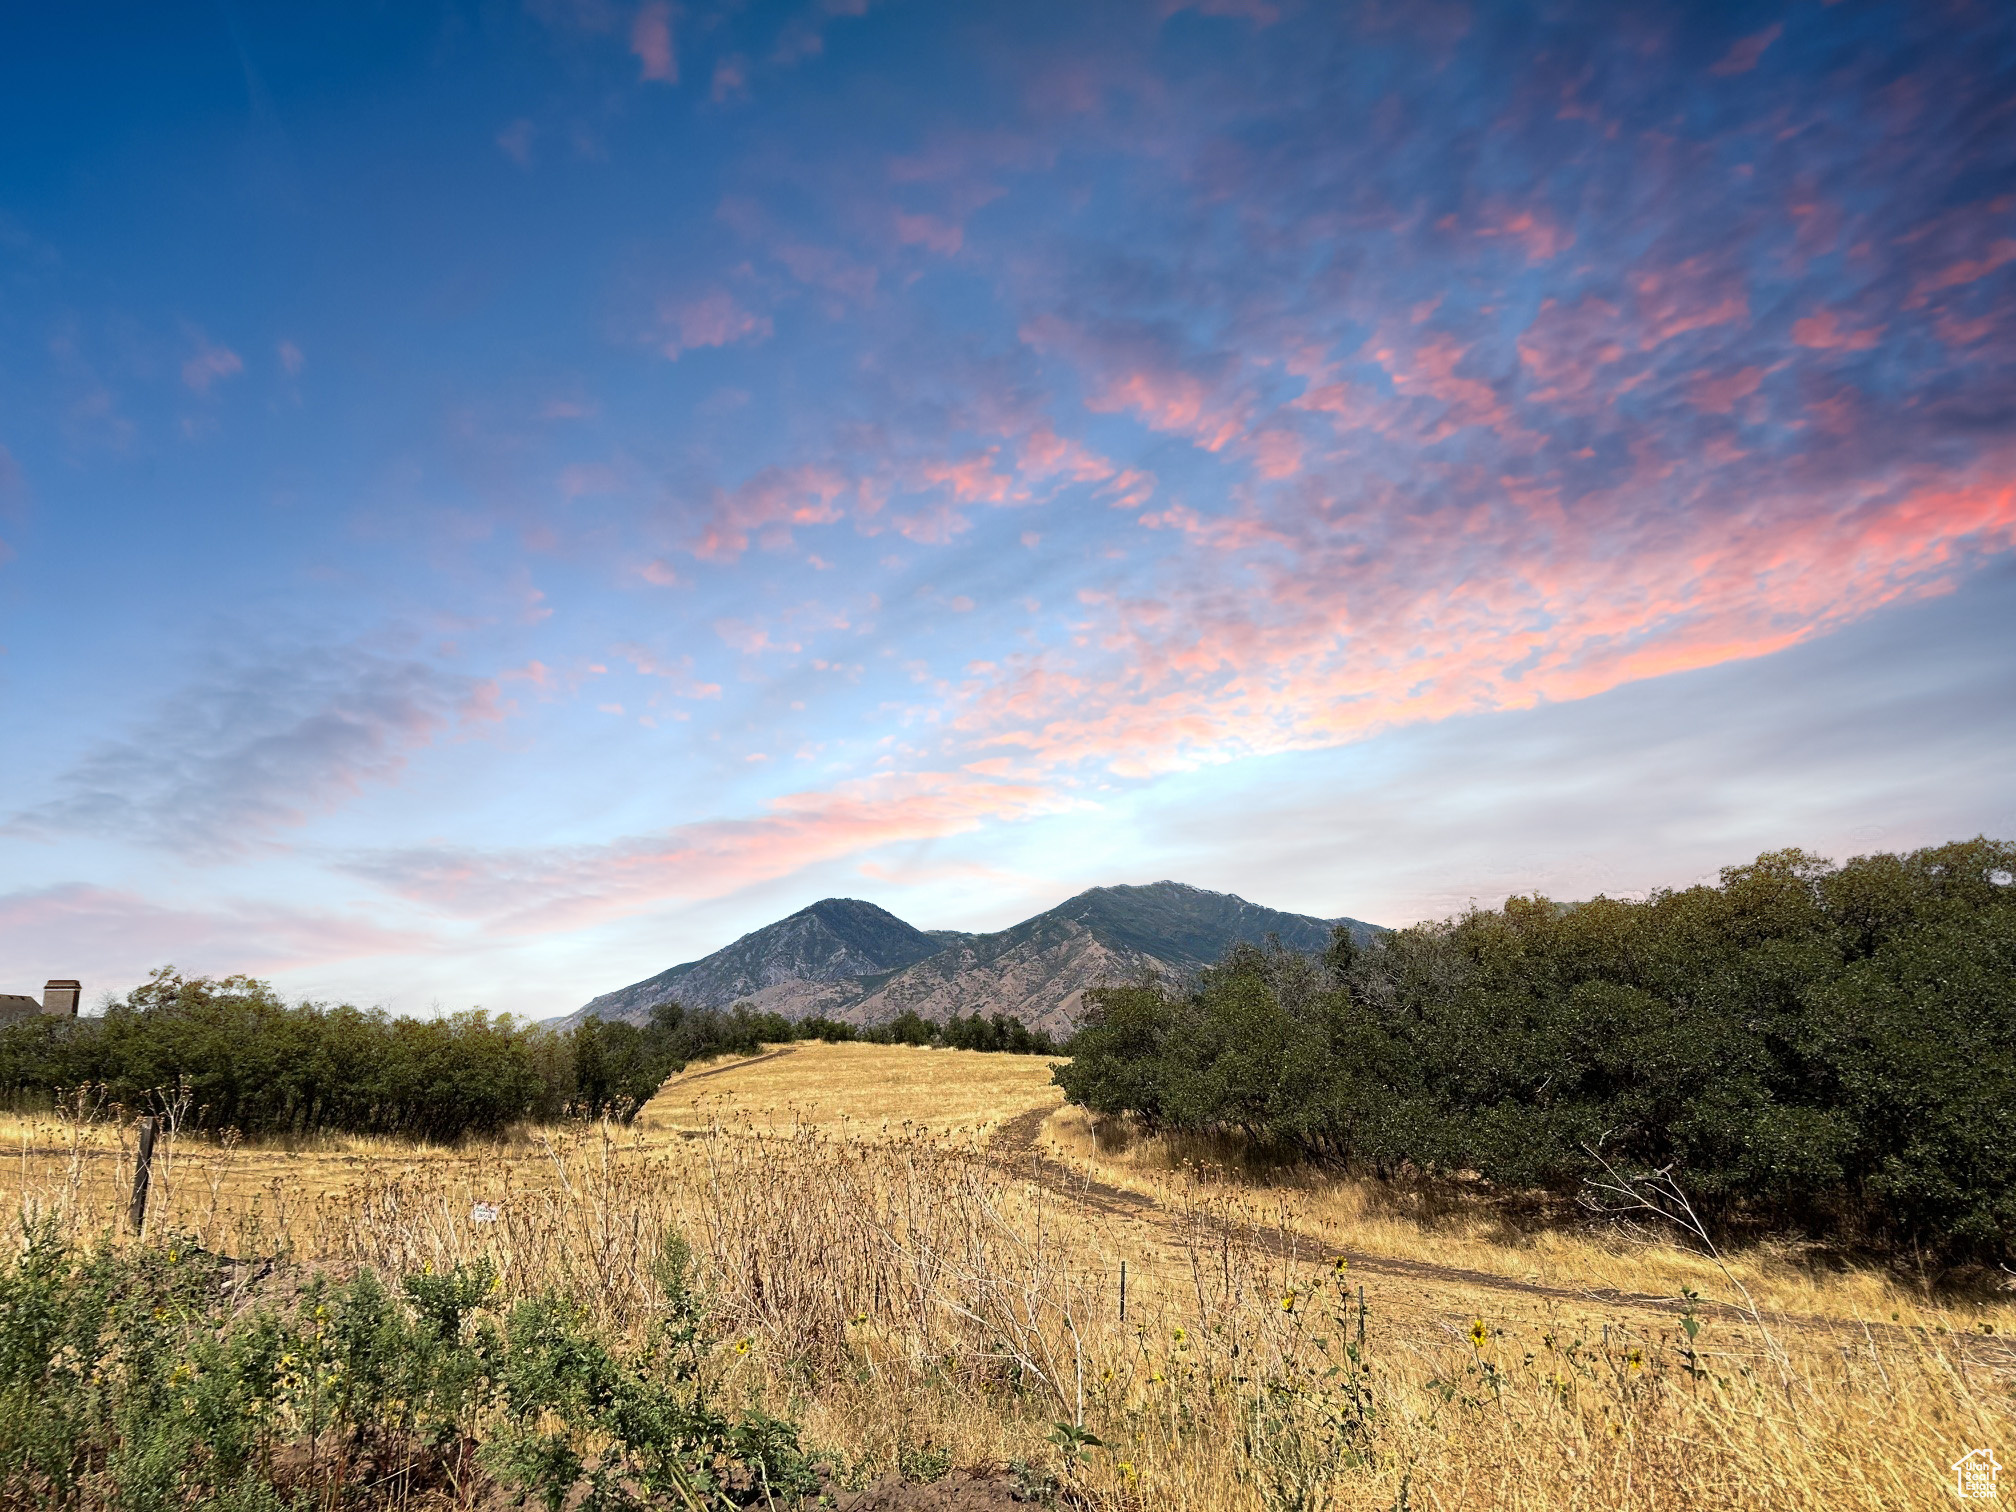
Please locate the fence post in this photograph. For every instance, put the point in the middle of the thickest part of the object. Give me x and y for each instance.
(1123, 1291)
(136, 1214)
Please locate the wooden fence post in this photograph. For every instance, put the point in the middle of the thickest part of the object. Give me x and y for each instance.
(143, 1166)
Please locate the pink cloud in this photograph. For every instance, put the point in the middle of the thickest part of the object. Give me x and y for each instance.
(1567, 346)
(1350, 406)
(1956, 331)
(1572, 602)
(1219, 533)
(772, 502)
(1744, 55)
(651, 43)
(934, 525)
(209, 364)
(1534, 231)
(1822, 331)
(1171, 400)
(929, 231)
(675, 672)
(1429, 371)
(715, 319)
(1965, 271)
(564, 887)
(750, 638)
(970, 480)
(825, 268)
(1130, 489)
(1688, 296)
(660, 574)
(1717, 393)
(731, 79)
(1045, 454)
(1276, 453)
(1130, 371)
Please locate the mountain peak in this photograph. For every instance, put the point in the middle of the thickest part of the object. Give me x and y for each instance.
(793, 965)
(845, 911)
(1183, 926)
(853, 959)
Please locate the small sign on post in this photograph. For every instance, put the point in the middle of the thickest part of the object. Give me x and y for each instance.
(143, 1166)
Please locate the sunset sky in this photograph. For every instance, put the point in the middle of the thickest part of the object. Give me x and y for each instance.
(496, 499)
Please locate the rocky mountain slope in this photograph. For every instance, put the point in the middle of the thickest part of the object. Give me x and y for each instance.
(795, 967)
(1038, 970)
(851, 960)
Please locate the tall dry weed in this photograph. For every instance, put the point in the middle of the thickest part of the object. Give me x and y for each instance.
(913, 1297)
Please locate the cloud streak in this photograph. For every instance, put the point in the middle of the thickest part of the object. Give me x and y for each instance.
(565, 887)
(260, 747)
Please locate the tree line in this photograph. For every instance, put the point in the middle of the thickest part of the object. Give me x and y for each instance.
(620, 1064)
(249, 1060)
(1806, 1047)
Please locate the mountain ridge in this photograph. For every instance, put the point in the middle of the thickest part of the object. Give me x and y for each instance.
(784, 964)
(855, 961)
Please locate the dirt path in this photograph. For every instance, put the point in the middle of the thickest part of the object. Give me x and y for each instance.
(754, 1060)
(1014, 1145)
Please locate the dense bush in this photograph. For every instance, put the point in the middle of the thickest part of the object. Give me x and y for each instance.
(135, 1379)
(1817, 1048)
(252, 1062)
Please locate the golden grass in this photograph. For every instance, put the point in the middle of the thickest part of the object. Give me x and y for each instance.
(897, 1289)
(870, 1091)
(1361, 1216)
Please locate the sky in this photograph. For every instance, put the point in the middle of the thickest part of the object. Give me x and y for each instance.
(499, 498)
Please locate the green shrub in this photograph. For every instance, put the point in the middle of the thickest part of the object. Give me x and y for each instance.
(1822, 1049)
(239, 1057)
(129, 1379)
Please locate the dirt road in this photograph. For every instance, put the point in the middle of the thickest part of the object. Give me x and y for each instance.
(1015, 1146)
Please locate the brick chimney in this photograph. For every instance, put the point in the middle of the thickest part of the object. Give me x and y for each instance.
(60, 997)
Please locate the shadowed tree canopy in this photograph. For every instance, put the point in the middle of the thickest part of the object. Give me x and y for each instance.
(1816, 1048)
(250, 1061)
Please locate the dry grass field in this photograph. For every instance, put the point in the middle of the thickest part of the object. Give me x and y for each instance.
(861, 1091)
(917, 1253)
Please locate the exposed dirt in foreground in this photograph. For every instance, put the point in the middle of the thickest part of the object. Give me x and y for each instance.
(1014, 1144)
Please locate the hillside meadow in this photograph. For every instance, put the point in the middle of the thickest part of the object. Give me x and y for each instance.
(911, 1257)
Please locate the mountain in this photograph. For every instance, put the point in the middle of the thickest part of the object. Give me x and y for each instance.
(851, 960)
(1038, 970)
(795, 967)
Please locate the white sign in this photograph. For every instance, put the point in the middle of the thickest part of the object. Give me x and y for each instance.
(1974, 1475)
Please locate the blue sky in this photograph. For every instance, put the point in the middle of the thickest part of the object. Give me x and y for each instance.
(497, 499)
